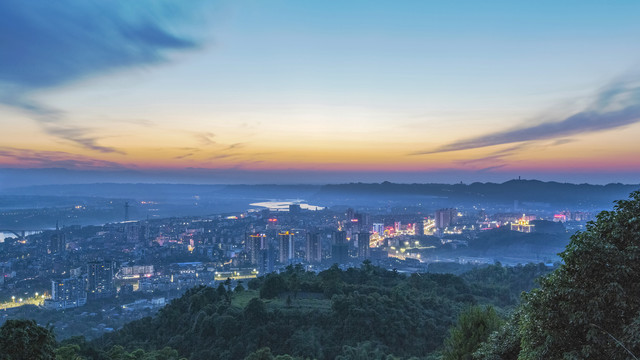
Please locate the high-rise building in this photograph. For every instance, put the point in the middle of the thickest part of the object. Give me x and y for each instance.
(350, 214)
(363, 245)
(378, 228)
(57, 242)
(339, 248)
(100, 278)
(444, 218)
(255, 243)
(266, 260)
(314, 247)
(68, 293)
(285, 247)
(419, 227)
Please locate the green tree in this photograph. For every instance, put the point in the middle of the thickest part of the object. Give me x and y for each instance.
(25, 340)
(473, 327)
(256, 312)
(364, 351)
(273, 285)
(68, 352)
(503, 344)
(265, 354)
(590, 306)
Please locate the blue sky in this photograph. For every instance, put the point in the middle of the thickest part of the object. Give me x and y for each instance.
(353, 87)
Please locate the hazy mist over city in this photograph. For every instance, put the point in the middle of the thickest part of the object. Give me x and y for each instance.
(319, 180)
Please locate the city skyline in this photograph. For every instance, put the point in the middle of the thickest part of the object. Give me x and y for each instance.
(313, 92)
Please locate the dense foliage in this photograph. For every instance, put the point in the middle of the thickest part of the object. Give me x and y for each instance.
(589, 308)
(473, 327)
(25, 340)
(334, 314)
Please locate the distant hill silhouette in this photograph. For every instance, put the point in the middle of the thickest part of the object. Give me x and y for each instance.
(523, 191)
(520, 190)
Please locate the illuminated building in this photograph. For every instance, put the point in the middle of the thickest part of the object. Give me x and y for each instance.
(67, 293)
(285, 247)
(57, 243)
(339, 248)
(363, 245)
(255, 243)
(134, 272)
(350, 214)
(100, 278)
(314, 247)
(378, 229)
(560, 217)
(266, 260)
(419, 228)
(522, 225)
(444, 218)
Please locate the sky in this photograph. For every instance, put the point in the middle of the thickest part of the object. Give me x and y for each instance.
(254, 91)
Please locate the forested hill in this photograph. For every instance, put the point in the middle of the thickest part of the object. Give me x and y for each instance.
(521, 190)
(335, 314)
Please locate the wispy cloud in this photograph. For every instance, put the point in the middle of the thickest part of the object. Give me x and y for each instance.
(496, 159)
(615, 106)
(205, 138)
(41, 158)
(48, 44)
(183, 156)
(80, 136)
(235, 146)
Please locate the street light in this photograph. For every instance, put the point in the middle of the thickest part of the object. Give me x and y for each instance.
(36, 294)
(13, 298)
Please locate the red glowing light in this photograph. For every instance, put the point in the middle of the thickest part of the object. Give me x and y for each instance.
(273, 220)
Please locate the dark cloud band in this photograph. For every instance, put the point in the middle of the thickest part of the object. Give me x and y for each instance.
(616, 106)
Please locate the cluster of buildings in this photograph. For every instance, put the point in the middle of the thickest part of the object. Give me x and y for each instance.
(74, 265)
(95, 281)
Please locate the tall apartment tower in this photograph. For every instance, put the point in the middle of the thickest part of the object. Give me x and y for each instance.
(68, 293)
(339, 248)
(266, 261)
(57, 242)
(256, 243)
(285, 247)
(378, 228)
(100, 278)
(364, 251)
(444, 218)
(314, 247)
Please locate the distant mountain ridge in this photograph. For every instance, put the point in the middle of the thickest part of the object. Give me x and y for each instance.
(520, 190)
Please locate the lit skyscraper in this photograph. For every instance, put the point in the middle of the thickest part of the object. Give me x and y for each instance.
(340, 248)
(363, 245)
(68, 293)
(285, 246)
(256, 243)
(314, 247)
(100, 278)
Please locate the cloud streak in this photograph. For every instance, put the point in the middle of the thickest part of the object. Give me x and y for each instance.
(42, 158)
(615, 106)
(47, 44)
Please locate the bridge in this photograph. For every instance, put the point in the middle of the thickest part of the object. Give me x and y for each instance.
(21, 233)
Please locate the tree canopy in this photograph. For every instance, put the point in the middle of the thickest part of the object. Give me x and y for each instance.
(588, 308)
(25, 340)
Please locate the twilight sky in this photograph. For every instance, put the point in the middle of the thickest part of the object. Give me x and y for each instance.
(257, 91)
